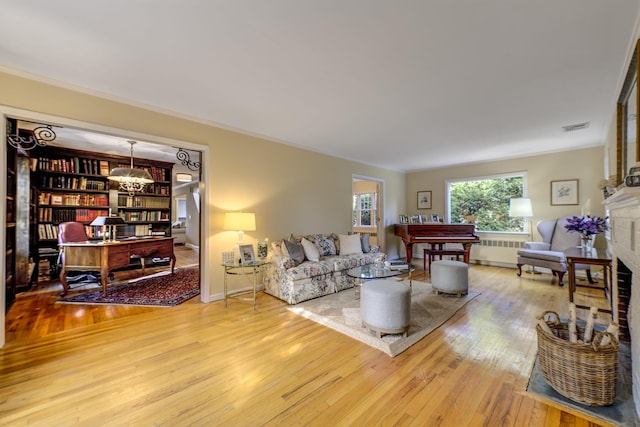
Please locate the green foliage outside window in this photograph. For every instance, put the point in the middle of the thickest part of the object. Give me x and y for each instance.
(486, 202)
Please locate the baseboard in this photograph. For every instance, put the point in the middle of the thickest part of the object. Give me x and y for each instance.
(220, 295)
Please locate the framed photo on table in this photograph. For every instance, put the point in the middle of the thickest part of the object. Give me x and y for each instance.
(246, 254)
(564, 192)
(424, 199)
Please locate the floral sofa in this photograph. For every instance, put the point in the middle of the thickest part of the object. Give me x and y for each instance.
(295, 278)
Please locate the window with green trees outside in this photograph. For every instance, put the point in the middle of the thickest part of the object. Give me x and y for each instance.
(484, 201)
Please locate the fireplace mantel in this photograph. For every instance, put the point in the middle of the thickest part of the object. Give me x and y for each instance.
(624, 217)
(625, 197)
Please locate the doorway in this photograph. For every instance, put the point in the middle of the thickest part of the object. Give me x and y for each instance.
(368, 208)
(159, 145)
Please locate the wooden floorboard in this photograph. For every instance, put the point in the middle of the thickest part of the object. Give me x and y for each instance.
(204, 364)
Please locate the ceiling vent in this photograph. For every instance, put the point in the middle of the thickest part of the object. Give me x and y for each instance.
(577, 126)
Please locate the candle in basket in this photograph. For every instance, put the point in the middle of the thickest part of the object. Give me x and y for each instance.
(591, 320)
(613, 330)
(573, 332)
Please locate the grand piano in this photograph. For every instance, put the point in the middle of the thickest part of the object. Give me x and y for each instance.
(437, 234)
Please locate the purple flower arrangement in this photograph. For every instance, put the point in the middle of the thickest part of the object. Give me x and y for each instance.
(587, 225)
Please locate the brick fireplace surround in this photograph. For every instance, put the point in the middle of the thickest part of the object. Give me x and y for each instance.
(624, 244)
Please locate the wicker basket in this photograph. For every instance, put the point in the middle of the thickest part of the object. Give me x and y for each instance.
(585, 373)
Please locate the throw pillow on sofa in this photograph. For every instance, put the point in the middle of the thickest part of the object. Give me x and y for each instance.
(350, 244)
(293, 250)
(366, 244)
(326, 245)
(310, 250)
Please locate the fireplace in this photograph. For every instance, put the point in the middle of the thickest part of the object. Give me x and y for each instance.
(624, 244)
(624, 279)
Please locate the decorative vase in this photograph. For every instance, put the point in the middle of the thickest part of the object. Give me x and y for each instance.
(262, 249)
(587, 244)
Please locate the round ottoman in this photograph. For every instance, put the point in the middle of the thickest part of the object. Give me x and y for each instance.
(450, 277)
(385, 306)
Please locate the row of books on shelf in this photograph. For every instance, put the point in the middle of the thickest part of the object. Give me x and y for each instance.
(159, 189)
(54, 199)
(134, 230)
(50, 232)
(143, 202)
(72, 183)
(63, 215)
(73, 165)
(157, 173)
(145, 216)
(47, 231)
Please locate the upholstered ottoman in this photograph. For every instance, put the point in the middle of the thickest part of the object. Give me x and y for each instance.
(450, 277)
(385, 306)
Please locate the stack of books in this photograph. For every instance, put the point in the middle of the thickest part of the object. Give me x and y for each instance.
(397, 265)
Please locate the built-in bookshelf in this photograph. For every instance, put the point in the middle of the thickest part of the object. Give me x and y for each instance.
(73, 185)
(10, 219)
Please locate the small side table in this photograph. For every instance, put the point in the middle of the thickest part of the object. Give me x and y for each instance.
(238, 269)
(590, 257)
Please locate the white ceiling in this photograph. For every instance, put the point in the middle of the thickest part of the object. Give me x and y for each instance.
(406, 85)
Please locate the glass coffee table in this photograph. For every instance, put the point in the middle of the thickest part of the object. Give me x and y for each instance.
(371, 272)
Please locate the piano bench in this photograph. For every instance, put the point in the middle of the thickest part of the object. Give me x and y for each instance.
(431, 254)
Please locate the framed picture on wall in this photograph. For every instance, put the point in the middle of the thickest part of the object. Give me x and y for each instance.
(564, 192)
(424, 199)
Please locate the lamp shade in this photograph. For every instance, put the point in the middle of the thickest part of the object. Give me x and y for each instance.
(240, 221)
(520, 206)
(107, 220)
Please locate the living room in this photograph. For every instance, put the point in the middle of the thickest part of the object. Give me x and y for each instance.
(295, 190)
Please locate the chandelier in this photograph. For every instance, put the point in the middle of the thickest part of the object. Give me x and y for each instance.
(131, 180)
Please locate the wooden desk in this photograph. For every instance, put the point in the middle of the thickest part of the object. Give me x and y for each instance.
(593, 257)
(107, 256)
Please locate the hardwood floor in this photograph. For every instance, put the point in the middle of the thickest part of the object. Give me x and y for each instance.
(204, 364)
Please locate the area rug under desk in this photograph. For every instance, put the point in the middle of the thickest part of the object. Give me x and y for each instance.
(341, 311)
(161, 289)
(621, 413)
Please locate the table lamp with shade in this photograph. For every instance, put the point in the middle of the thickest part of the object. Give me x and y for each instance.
(240, 222)
(108, 224)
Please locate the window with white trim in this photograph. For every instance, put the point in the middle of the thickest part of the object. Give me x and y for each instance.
(484, 201)
(364, 210)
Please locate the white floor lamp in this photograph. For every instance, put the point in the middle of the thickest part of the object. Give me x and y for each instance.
(521, 207)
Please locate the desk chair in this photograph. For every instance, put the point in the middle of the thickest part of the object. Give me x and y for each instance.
(74, 232)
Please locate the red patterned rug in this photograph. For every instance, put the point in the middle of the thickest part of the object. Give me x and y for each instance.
(165, 290)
